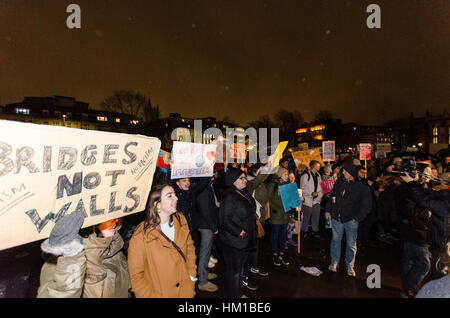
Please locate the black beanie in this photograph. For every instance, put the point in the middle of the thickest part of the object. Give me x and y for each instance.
(232, 175)
(352, 169)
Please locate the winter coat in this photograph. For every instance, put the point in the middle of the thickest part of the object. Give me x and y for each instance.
(207, 210)
(106, 268)
(353, 201)
(277, 214)
(438, 202)
(414, 220)
(386, 207)
(187, 201)
(62, 277)
(307, 187)
(258, 190)
(237, 212)
(156, 268)
(100, 271)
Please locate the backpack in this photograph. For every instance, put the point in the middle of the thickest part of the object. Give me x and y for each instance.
(306, 171)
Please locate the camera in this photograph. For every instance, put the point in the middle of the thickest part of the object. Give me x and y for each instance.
(408, 166)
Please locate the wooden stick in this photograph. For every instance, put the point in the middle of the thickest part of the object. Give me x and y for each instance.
(298, 230)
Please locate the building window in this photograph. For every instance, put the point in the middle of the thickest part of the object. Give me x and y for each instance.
(85, 126)
(57, 114)
(68, 114)
(102, 118)
(117, 120)
(435, 135)
(23, 111)
(45, 112)
(84, 115)
(134, 122)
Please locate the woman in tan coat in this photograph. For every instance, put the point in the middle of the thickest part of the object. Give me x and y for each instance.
(161, 256)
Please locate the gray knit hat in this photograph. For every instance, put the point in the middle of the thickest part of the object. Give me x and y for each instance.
(66, 229)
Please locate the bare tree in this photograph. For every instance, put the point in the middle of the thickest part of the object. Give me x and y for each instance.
(126, 102)
(324, 116)
(289, 122)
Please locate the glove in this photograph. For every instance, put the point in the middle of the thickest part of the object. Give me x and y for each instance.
(64, 239)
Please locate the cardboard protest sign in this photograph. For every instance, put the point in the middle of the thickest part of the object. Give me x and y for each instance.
(49, 171)
(277, 155)
(192, 160)
(303, 146)
(163, 161)
(303, 158)
(289, 196)
(383, 147)
(365, 151)
(328, 149)
(328, 184)
(238, 151)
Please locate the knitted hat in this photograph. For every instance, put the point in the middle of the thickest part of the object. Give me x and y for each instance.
(232, 175)
(351, 169)
(107, 224)
(66, 229)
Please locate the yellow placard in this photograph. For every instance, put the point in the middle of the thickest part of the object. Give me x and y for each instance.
(303, 158)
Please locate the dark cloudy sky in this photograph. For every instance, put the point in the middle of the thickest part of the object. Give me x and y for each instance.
(235, 58)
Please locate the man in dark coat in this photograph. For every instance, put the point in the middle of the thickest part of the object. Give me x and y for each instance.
(413, 227)
(438, 202)
(350, 202)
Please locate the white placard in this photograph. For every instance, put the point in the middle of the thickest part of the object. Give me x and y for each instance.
(49, 171)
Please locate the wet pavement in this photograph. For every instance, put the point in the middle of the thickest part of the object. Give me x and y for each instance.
(291, 282)
(20, 269)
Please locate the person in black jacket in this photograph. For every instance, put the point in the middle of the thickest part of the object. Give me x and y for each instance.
(350, 203)
(207, 221)
(413, 228)
(186, 194)
(237, 229)
(438, 203)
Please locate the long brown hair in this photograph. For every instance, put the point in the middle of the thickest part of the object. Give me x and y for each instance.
(443, 264)
(152, 218)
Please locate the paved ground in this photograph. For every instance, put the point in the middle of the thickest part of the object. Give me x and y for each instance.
(20, 267)
(290, 282)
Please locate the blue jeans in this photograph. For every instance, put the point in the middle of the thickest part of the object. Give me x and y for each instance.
(206, 243)
(415, 263)
(278, 238)
(351, 234)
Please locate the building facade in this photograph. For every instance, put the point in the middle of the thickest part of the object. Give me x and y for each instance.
(68, 112)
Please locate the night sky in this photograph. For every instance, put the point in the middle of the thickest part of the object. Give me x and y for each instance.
(235, 58)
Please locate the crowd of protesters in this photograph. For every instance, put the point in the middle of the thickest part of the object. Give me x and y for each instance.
(169, 247)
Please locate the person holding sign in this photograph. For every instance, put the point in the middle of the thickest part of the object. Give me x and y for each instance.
(93, 267)
(161, 256)
(278, 218)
